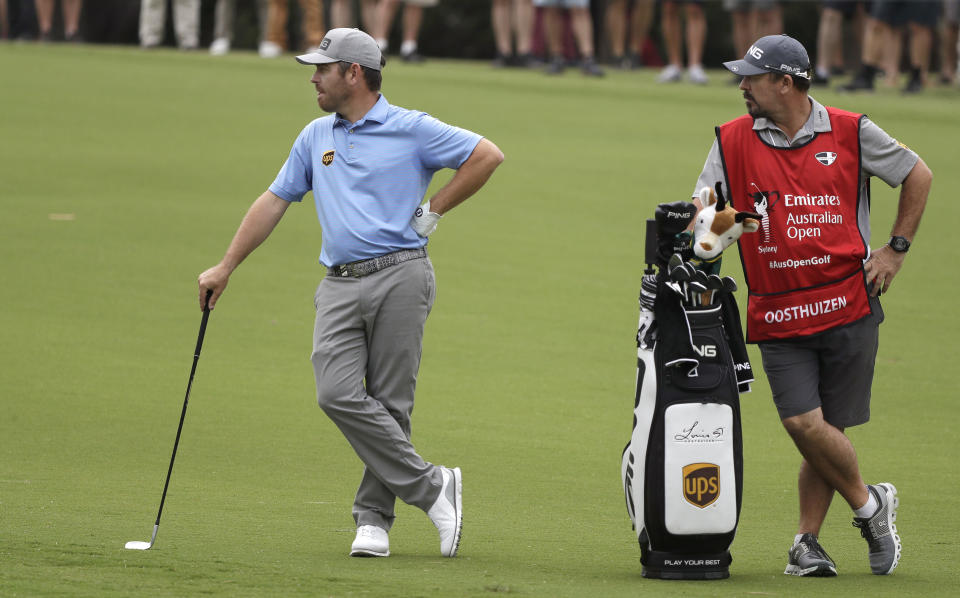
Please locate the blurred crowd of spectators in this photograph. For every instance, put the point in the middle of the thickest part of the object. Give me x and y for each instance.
(891, 36)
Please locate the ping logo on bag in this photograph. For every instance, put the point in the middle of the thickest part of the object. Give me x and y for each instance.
(327, 158)
(705, 350)
(701, 484)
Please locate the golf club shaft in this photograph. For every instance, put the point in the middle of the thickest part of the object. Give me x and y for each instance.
(186, 399)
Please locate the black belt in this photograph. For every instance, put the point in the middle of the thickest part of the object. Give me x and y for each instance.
(366, 267)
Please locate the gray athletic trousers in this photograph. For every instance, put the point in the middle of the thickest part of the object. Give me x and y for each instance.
(186, 22)
(370, 329)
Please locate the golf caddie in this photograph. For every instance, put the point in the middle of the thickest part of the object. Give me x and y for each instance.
(813, 283)
(369, 164)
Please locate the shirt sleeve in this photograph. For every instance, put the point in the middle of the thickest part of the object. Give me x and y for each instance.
(712, 172)
(443, 146)
(295, 179)
(883, 156)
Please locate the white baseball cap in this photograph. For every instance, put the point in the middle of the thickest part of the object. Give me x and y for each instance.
(345, 45)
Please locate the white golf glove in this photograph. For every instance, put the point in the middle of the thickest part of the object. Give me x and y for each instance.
(424, 222)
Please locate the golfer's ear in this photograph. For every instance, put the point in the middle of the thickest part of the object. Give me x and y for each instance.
(356, 70)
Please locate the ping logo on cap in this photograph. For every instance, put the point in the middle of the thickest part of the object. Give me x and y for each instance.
(325, 43)
(327, 158)
(826, 158)
(701, 484)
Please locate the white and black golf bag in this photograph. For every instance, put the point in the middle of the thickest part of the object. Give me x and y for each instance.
(682, 470)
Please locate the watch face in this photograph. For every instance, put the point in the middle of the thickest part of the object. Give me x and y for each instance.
(899, 244)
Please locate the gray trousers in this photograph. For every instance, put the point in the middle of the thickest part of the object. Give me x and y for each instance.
(186, 22)
(370, 330)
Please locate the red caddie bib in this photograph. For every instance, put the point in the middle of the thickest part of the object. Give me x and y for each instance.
(804, 267)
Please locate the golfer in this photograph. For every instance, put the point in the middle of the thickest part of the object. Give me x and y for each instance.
(813, 282)
(369, 164)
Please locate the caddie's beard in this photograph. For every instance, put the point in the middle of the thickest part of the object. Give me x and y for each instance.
(754, 109)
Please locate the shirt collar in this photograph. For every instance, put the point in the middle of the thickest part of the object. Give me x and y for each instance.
(817, 122)
(378, 113)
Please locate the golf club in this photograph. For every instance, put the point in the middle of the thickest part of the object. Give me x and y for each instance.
(676, 270)
(137, 545)
(714, 284)
(700, 276)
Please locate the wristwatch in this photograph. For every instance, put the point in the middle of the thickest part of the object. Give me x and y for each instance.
(899, 244)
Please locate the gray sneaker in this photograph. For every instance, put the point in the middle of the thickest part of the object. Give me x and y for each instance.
(809, 559)
(880, 531)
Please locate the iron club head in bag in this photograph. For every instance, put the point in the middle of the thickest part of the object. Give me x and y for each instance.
(676, 269)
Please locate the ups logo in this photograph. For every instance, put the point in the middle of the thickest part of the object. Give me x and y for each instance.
(701, 484)
(327, 158)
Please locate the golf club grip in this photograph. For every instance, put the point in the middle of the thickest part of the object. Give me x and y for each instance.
(203, 329)
(650, 246)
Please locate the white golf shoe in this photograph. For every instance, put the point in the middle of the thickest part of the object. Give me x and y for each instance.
(269, 49)
(371, 541)
(220, 46)
(670, 74)
(696, 74)
(447, 513)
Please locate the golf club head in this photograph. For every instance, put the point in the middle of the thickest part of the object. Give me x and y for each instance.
(714, 283)
(675, 268)
(135, 545)
(679, 274)
(675, 288)
(701, 277)
(729, 284)
(698, 287)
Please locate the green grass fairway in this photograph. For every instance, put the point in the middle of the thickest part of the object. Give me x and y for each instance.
(124, 173)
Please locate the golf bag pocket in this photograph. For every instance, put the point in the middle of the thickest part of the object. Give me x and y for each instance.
(698, 466)
(704, 377)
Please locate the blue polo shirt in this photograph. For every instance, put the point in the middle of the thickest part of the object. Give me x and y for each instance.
(368, 177)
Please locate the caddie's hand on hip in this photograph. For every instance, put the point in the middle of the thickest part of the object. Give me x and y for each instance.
(424, 222)
(213, 279)
(883, 265)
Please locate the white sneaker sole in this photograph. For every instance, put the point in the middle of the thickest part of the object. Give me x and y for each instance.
(458, 494)
(815, 571)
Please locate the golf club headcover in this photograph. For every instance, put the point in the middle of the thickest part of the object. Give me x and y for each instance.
(424, 222)
(672, 222)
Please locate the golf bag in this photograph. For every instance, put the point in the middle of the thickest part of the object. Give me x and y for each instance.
(682, 470)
